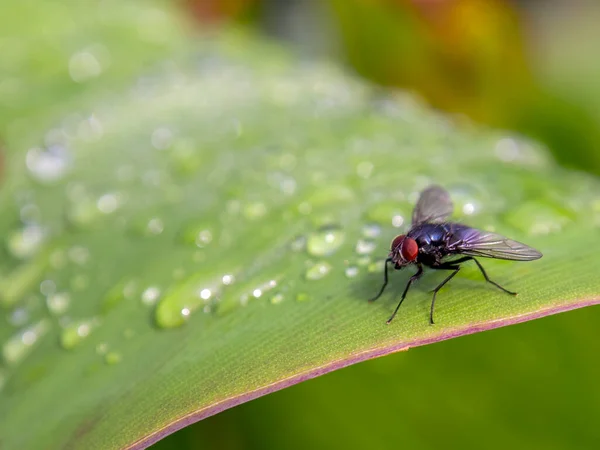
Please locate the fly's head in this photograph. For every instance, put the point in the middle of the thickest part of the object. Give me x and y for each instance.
(404, 251)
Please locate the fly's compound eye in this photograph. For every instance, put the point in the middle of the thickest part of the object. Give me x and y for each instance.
(409, 250)
(397, 241)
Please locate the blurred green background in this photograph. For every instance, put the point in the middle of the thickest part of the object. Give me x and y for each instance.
(523, 65)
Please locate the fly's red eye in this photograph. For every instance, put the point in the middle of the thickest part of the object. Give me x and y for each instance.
(397, 241)
(409, 250)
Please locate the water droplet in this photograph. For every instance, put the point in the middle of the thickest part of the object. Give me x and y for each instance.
(277, 298)
(47, 287)
(30, 213)
(302, 297)
(150, 296)
(351, 271)
(88, 63)
(79, 282)
(325, 241)
(90, 129)
(161, 138)
(108, 203)
(102, 348)
(298, 244)
(21, 280)
(127, 289)
(155, 226)
(364, 169)
(26, 241)
(74, 333)
(185, 156)
(83, 212)
(175, 307)
(258, 291)
(255, 210)
(364, 247)
(22, 343)
(318, 271)
(79, 255)
(18, 317)
(228, 279)
(203, 238)
(397, 220)
(371, 230)
(49, 164)
(112, 358)
(58, 303)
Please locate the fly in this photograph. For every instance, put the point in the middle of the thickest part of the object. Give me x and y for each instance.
(434, 242)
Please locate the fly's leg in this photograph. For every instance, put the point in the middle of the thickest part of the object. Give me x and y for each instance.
(435, 291)
(385, 281)
(414, 278)
(468, 258)
(490, 281)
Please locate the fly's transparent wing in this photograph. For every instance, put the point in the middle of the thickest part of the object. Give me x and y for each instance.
(434, 206)
(473, 242)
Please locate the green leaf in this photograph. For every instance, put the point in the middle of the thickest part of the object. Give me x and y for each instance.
(210, 232)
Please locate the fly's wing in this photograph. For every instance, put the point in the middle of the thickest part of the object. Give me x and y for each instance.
(473, 242)
(434, 206)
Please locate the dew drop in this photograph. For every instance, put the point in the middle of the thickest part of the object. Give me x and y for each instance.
(228, 279)
(150, 295)
(203, 238)
(75, 332)
(277, 299)
(364, 169)
(371, 230)
(58, 303)
(49, 164)
(125, 290)
(318, 271)
(161, 138)
(79, 282)
(112, 358)
(302, 297)
(83, 213)
(155, 226)
(298, 244)
(108, 203)
(84, 65)
(18, 317)
(47, 287)
(26, 241)
(255, 210)
(351, 271)
(175, 308)
(364, 247)
(397, 220)
(102, 348)
(22, 343)
(79, 255)
(325, 241)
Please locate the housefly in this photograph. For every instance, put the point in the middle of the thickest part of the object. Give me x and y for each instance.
(434, 242)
